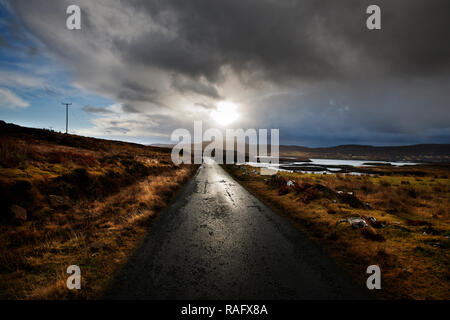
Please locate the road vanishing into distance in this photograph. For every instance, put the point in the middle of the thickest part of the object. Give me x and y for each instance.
(217, 241)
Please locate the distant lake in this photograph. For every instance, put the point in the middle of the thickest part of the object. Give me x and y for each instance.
(326, 166)
(353, 163)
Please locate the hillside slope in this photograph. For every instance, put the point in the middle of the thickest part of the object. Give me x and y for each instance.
(72, 200)
(413, 153)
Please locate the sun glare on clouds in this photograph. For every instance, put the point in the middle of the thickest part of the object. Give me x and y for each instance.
(225, 113)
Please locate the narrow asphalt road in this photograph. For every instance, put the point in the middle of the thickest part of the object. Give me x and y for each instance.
(217, 241)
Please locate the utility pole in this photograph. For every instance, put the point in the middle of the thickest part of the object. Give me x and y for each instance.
(67, 114)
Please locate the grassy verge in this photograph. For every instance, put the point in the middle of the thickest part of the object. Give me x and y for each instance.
(408, 239)
(82, 201)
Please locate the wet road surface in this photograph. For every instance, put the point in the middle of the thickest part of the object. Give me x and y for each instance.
(217, 241)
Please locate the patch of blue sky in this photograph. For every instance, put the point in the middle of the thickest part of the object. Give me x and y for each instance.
(33, 84)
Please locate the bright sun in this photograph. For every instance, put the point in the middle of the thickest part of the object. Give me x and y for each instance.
(225, 113)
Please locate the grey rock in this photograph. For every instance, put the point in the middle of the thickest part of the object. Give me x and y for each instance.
(368, 206)
(357, 223)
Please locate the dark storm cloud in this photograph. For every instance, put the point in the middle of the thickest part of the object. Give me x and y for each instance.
(129, 108)
(134, 91)
(330, 77)
(303, 39)
(205, 105)
(189, 85)
(394, 112)
(306, 39)
(245, 35)
(100, 110)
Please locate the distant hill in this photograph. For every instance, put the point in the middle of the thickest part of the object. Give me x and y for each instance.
(86, 197)
(414, 153)
(39, 136)
(411, 153)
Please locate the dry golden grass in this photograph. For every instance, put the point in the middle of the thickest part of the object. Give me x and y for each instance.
(97, 235)
(100, 241)
(412, 248)
(113, 191)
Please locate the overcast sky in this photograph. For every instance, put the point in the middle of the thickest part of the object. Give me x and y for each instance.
(139, 69)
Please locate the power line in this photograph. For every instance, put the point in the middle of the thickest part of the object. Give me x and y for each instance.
(67, 114)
